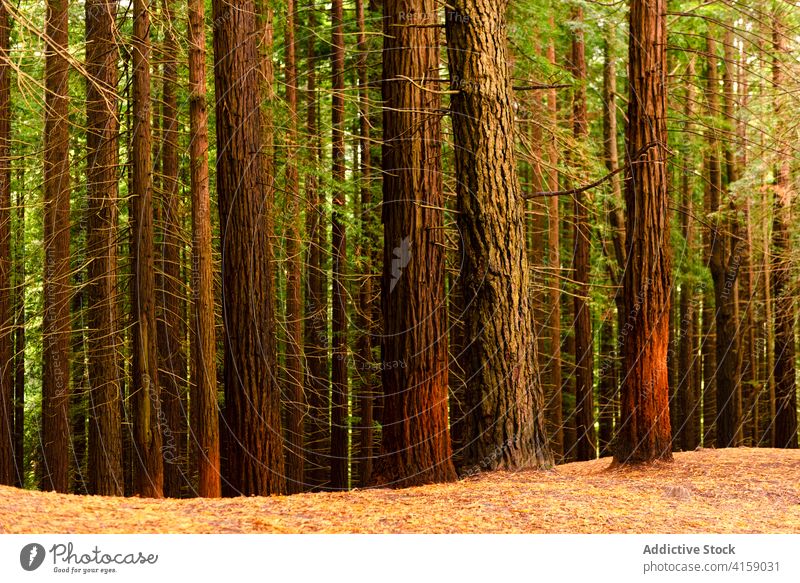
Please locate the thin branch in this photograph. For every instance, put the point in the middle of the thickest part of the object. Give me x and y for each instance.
(594, 184)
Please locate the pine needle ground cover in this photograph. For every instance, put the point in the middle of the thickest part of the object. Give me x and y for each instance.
(706, 491)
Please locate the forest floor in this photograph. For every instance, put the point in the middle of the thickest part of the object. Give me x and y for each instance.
(706, 491)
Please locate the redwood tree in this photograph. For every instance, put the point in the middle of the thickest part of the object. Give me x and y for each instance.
(785, 384)
(505, 402)
(252, 399)
(171, 354)
(645, 433)
(584, 349)
(7, 410)
(56, 316)
(102, 142)
(416, 438)
(205, 417)
(145, 392)
(339, 384)
(295, 396)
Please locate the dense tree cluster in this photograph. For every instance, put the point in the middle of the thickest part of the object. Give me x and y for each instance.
(291, 245)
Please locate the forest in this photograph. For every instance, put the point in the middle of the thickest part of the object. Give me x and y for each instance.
(283, 246)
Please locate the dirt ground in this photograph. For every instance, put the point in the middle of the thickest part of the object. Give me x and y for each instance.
(706, 491)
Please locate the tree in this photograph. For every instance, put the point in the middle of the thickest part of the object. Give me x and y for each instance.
(19, 338)
(316, 312)
(686, 434)
(147, 417)
(252, 399)
(56, 316)
(505, 401)
(584, 361)
(555, 402)
(295, 407)
(102, 143)
(415, 447)
(7, 409)
(645, 432)
(171, 355)
(785, 419)
(608, 408)
(365, 253)
(205, 418)
(339, 381)
(724, 264)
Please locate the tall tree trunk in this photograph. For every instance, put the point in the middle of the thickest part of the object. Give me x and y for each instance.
(316, 314)
(148, 415)
(608, 386)
(339, 384)
(56, 317)
(19, 336)
(505, 403)
(584, 350)
(171, 355)
(724, 266)
(205, 417)
(645, 432)
(785, 419)
(554, 401)
(416, 441)
(708, 352)
(296, 406)
(78, 410)
(103, 335)
(7, 411)
(616, 221)
(686, 430)
(366, 324)
(252, 400)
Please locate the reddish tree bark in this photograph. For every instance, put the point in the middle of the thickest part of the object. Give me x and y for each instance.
(296, 401)
(416, 439)
(102, 142)
(645, 433)
(205, 416)
(252, 399)
(56, 316)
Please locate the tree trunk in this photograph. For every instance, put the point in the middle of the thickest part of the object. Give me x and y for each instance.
(616, 222)
(296, 407)
(19, 337)
(686, 431)
(56, 317)
(148, 415)
(505, 403)
(584, 350)
(645, 432)
(252, 400)
(103, 335)
(316, 313)
(724, 266)
(78, 410)
(171, 355)
(554, 401)
(608, 386)
(7, 411)
(416, 439)
(205, 418)
(785, 419)
(339, 384)
(368, 388)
